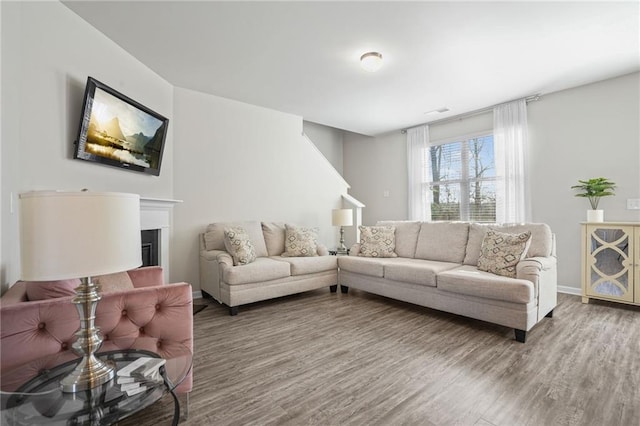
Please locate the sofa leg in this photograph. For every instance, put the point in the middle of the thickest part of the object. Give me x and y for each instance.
(521, 335)
(550, 314)
(233, 310)
(344, 289)
(333, 288)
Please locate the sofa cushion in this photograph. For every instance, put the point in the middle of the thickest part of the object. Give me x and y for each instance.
(371, 266)
(443, 241)
(262, 269)
(470, 281)
(415, 271)
(239, 246)
(214, 236)
(310, 265)
(474, 243)
(274, 234)
(406, 236)
(41, 290)
(114, 282)
(300, 241)
(541, 239)
(377, 241)
(501, 252)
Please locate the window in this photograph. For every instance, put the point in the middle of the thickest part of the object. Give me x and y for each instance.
(461, 180)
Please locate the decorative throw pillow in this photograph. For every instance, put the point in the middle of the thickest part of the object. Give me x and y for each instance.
(114, 282)
(300, 241)
(239, 246)
(41, 290)
(501, 252)
(377, 241)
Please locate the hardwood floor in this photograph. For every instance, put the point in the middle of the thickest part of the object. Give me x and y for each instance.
(359, 359)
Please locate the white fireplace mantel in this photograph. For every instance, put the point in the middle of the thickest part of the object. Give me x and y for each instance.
(155, 213)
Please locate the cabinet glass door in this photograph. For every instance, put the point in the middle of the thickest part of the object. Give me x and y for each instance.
(636, 252)
(609, 267)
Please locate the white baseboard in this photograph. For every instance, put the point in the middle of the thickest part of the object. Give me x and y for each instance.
(570, 290)
(197, 294)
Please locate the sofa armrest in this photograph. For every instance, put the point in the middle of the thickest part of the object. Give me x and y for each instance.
(147, 276)
(224, 259)
(210, 272)
(543, 273)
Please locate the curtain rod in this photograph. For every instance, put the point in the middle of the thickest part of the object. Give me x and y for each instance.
(527, 99)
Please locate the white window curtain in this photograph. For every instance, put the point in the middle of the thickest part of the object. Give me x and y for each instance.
(510, 132)
(418, 168)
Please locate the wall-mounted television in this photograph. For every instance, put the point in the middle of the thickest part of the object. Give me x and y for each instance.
(117, 131)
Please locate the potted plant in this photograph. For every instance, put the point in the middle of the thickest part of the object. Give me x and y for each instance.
(593, 189)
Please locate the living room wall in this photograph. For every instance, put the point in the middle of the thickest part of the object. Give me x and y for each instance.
(587, 131)
(234, 162)
(328, 140)
(47, 54)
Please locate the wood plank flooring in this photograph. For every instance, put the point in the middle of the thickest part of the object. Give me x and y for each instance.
(359, 359)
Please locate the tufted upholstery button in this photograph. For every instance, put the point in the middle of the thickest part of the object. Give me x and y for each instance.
(64, 346)
(157, 307)
(141, 330)
(124, 312)
(158, 344)
(41, 326)
(105, 338)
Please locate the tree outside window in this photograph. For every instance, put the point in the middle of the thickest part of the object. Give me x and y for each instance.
(462, 180)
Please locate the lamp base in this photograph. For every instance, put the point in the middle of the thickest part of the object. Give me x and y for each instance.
(90, 372)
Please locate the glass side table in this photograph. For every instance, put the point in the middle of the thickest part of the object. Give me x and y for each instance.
(40, 400)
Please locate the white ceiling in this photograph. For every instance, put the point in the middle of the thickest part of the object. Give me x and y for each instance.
(303, 57)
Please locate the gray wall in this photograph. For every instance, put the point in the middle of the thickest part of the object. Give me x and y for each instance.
(47, 54)
(226, 160)
(244, 162)
(589, 131)
(584, 132)
(328, 140)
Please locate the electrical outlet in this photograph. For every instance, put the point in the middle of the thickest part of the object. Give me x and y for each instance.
(385, 193)
(633, 204)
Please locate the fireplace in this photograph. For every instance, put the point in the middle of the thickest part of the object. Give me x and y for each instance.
(150, 247)
(155, 216)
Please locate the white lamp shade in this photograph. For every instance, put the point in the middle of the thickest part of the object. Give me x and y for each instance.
(67, 235)
(342, 217)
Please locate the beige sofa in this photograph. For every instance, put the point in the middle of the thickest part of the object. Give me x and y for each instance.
(271, 275)
(436, 267)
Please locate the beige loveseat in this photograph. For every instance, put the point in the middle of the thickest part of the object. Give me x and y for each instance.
(437, 268)
(271, 275)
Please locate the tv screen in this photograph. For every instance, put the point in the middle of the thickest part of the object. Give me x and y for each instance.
(118, 131)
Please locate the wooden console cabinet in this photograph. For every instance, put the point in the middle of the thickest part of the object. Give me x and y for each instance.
(611, 262)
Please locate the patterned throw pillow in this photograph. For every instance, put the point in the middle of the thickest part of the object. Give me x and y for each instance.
(238, 244)
(377, 241)
(501, 252)
(300, 241)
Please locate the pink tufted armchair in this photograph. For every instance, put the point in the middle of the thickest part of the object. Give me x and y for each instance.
(160, 316)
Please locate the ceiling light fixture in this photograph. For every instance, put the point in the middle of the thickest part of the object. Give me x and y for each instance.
(371, 61)
(437, 111)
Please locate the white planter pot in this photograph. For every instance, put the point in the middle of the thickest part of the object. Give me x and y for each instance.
(595, 215)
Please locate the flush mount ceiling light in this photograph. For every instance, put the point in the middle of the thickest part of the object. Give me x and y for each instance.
(371, 61)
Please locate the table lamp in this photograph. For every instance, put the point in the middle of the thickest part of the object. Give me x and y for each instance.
(66, 235)
(342, 218)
